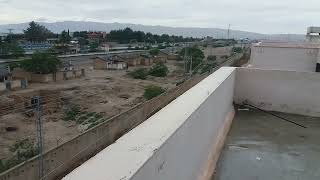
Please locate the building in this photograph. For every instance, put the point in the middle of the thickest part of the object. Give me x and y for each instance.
(110, 62)
(133, 59)
(219, 52)
(146, 59)
(313, 34)
(3, 36)
(162, 57)
(104, 47)
(274, 135)
(286, 56)
(96, 36)
(4, 74)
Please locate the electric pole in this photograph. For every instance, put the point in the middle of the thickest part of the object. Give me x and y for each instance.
(10, 33)
(36, 103)
(185, 58)
(190, 71)
(229, 31)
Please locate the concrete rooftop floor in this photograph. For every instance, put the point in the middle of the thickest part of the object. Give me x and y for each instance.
(260, 146)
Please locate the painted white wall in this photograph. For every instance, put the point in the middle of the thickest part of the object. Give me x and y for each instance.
(174, 144)
(284, 58)
(283, 91)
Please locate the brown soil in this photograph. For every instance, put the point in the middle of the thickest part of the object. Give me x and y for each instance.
(105, 92)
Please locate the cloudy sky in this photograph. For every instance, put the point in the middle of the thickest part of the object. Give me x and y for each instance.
(268, 16)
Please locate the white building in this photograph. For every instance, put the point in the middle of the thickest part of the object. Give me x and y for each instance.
(183, 141)
(286, 56)
(313, 34)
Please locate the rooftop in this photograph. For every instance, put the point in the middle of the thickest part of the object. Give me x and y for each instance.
(262, 146)
(288, 45)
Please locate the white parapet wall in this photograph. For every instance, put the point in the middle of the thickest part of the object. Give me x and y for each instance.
(285, 56)
(184, 139)
(283, 91)
(180, 142)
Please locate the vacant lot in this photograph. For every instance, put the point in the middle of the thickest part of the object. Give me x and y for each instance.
(73, 106)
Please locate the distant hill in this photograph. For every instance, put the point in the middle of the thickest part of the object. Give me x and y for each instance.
(57, 27)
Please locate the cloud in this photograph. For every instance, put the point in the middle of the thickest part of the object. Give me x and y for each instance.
(273, 16)
(4, 1)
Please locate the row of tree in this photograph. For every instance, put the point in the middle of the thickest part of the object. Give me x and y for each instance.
(127, 35)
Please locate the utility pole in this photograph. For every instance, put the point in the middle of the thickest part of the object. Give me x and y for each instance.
(229, 32)
(36, 103)
(10, 33)
(185, 58)
(190, 71)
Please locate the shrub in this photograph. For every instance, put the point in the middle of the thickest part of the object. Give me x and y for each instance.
(159, 70)
(154, 51)
(71, 113)
(211, 58)
(23, 150)
(152, 91)
(237, 49)
(140, 73)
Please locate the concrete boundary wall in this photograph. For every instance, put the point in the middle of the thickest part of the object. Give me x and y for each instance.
(283, 91)
(180, 142)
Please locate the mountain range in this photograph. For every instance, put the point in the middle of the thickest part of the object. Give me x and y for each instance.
(57, 27)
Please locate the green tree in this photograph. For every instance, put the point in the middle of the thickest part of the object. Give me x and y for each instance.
(65, 37)
(93, 46)
(41, 63)
(159, 70)
(152, 91)
(237, 50)
(196, 54)
(140, 73)
(17, 51)
(83, 42)
(126, 35)
(37, 33)
(212, 58)
(154, 52)
(11, 50)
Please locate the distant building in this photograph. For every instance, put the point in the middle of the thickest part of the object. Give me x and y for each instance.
(146, 59)
(111, 62)
(96, 36)
(28, 46)
(4, 74)
(104, 47)
(3, 36)
(162, 57)
(313, 34)
(133, 59)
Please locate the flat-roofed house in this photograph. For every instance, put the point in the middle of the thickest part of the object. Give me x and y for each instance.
(114, 62)
(4, 74)
(131, 59)
(146, 59)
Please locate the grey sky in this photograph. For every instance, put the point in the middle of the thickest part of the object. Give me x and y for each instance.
(271, 16)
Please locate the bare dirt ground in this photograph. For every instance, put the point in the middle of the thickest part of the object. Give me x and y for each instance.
(105, 93)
